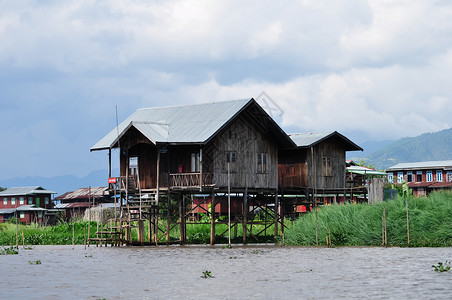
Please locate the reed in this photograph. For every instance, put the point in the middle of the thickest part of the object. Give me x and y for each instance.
(361, 224)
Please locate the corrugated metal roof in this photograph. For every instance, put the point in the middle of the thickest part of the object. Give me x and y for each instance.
(84, 193)
(26, 190)
(364, 170)
(445, 164)
(309, 139)
(7, 211)
(29, 208)
(177, 124)
(73, 205)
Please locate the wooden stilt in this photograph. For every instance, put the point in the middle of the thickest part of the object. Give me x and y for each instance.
(212, 219)
(181, 222)
(276, 214)
(141, 232)
(168, 221)
(245, 215)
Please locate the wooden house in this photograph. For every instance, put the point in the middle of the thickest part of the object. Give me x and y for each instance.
(29, 204)
(422, 177)
(317, 162)
(75, 203)
(177, 152)
(199, 147)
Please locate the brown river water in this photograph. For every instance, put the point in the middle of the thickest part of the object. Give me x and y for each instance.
(251, 272)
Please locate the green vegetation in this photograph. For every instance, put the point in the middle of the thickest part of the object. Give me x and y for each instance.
(425, 147)
(34, 234)
(207, 274)
(8, 251)
(34, 262)
(361, 224)
(442, 267)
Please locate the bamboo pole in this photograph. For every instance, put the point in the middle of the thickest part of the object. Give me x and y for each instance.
(23, 237)
(407, 222)
(73, 235)
(229, 205)
(89, 214)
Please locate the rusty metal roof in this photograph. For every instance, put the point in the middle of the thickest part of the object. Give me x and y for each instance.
(309, 139)
(84, 193)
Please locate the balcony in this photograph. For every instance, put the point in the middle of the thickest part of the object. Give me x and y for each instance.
(190, 180)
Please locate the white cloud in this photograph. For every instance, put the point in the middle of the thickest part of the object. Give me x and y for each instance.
(377, 69)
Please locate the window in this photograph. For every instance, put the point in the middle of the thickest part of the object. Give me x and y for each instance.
(5, 201)
(21, 200)
(195, 162)
(22, 215)
(418, 176)
(261, 163)
(429, 176)
(231, 158)
(39, 214)
(13, 201)
(399, 177)
(390, 177)
(47, 200)
(409, 176)
(30, 200)
(327, 169)
(449, 176)
(439, 176)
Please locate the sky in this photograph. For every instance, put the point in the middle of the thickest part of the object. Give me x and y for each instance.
(372, 70)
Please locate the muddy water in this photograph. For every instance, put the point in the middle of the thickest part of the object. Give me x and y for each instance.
(265, 272)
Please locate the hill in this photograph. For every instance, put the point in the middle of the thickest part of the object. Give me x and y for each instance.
(60, 184)
(426, 147)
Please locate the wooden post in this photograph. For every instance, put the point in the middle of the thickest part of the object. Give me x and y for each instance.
(181, 223)
(276, 214)
(245, 215)
(385, 231)
(140, 232)
(168, 220)
(212, 219)
(109, 162)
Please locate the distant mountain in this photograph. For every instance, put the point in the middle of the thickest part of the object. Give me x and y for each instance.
(60, 184)
(426, 147)
(369, 147)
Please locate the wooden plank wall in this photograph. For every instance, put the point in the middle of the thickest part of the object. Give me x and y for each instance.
(246, 140)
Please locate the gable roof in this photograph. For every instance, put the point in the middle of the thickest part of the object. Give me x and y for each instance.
(309, 139)
(26, 190)
(445, 164)
(84, 193)
(194, 124)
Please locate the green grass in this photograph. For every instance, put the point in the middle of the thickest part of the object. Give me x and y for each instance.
(61, 234)
(361, 224)
(45, 235)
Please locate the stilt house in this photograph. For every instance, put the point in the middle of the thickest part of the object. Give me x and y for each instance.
(195, 147)
(318, 162)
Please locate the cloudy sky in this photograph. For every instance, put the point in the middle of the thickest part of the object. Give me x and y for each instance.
(372, 70)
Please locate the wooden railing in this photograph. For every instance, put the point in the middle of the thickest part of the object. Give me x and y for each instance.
(120, 183)
(190, 180)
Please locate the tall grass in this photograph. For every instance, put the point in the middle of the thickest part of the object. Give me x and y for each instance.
(361, 224)
(34, 234)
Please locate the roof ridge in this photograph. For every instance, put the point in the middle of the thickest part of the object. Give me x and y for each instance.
(198, 104)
